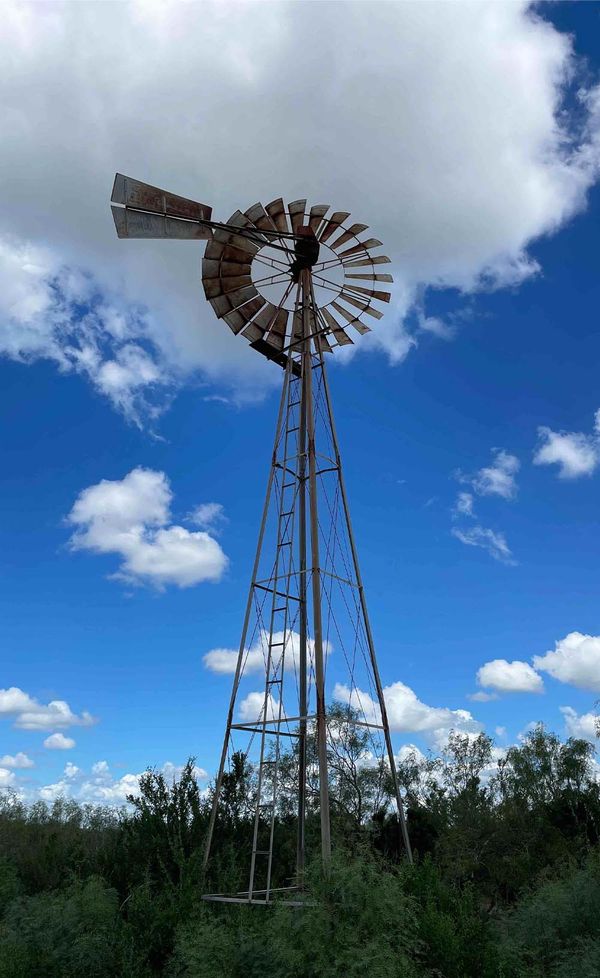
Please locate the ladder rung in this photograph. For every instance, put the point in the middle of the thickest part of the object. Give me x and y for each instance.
(287, 513)
(274, 645)
(276, 610)
(289, 430)
(293, 403)
(286, 485)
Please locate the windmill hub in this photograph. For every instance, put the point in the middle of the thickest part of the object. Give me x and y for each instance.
(306, 250)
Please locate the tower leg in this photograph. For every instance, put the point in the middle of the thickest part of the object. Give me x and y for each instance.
(369, 634)
(307, 399)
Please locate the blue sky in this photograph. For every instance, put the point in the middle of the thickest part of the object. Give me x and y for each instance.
(420, 414)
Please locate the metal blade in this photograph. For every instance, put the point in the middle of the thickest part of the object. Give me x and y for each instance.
(259, 217)
(277, 332)
(363, 306)
(337, 330)
(138, 224)
(377, 260)
(143, 197)
(219, 269)
(323, 344)
(317, 213)
(350, 233)
(276, 211)
(297, 210)
(238, 318)
(370, 277)
(333, 224)
(361, 246)
(236, 241)
(382, 296)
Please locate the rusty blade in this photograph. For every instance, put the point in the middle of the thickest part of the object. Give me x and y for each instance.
(211, 268)
(363, 306)
(297, 210)
(235, 282)
(240, 220)
(239, 296)
(317, 213)
(221, 304)
(143, 197)
(138, 224)
(377, 260)
(360, 327)
(370, 277)
(322, 343)
(265, 318)
(259, 217)
(238, 318)
(375, 293)
(236, 241)
(277, 332)
(277, 213)
(212, 287)
(347, 235)
(332, 224)
(361, 246)
(337, 329)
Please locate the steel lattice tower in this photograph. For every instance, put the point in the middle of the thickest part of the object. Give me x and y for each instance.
(306, 614)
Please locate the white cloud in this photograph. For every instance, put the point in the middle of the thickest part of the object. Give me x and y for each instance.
(208, 516)
(481, 697)
(463, 505)
(7, 778)
(58, 741)
(582, 726)
(575, 660)
(50, 792)
(500, 731)
(19, 760)
(575, 453)
(491, 170)
(129, 518)
(510, 677)
(101, 787)
(491, 541)
(29, 714)
(71, 770)
(497, 479)
(252, 708)
(407, 714)
(224, 661)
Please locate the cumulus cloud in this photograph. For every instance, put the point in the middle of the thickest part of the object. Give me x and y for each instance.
(208, 516)
(583, 726)
(490, 540)
(100, 786)
(407, 714)
(252, 708)
(510, 677)
(575, 453)
(130, 518)
(224, 660)
(28, 714)
(575, 660)
(7, 778)
(58, 741)
(491, 170)
(19, 760)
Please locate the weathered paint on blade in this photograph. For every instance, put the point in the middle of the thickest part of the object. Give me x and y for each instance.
(144, 197)
(238, 318)
(277, 332)
(361, 246)
(235, 282)
(323, 344)
(370, 277)
(347, 235)
(297, 209)
(363, 306)
(138, 224)
(276, 211)
(360, 263)
(332, 224)
(375, 293)
(317, 213)
(259, 217)
(337, 330)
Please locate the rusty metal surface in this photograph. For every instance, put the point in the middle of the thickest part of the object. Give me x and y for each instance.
(144, 197)
(338, 331)
(372, 260)
(238, 318)
(352, 232)
(297, 210)
(235, 282)
(276, 211)
(317, 213)
(375, 293)
(332, 224)
(138, 224)
(361, 246)
(370, 277)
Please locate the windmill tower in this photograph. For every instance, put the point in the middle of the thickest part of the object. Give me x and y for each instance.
(297, 284)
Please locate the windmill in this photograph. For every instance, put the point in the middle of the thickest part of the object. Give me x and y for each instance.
(297, 284)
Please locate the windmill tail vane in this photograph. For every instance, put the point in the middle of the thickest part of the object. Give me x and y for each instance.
(307, 714)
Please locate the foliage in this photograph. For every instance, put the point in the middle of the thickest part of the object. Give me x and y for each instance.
(506, 880)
